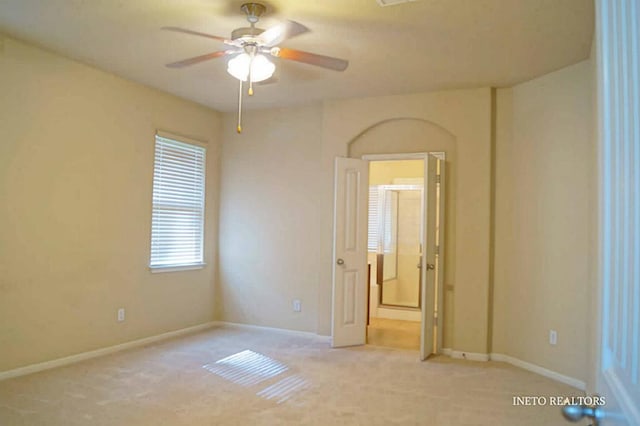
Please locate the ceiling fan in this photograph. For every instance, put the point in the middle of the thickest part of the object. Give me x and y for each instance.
(250, 48)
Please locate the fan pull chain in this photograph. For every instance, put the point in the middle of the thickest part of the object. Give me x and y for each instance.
(239, 128)
(250, 76)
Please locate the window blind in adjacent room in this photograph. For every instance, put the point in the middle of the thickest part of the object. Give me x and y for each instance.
(372, 239)
(178, 204)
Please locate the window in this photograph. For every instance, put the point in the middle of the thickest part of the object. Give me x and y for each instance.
(177, 223)
(372, 240)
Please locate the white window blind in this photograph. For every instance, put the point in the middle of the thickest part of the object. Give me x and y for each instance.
(177, 224)
(381, 220)
(372, 239)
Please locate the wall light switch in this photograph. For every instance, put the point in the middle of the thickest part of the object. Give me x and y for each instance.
(553, 337)
(297, 305)
(120, 314)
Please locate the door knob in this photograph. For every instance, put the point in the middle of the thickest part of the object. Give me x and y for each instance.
(575, 413)
(340, 262)
(430, 266)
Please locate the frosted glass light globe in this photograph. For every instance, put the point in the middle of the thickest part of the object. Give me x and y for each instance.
(261, 67)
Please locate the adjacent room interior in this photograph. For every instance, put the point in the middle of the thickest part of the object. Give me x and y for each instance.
(171, 192)
(394, 249)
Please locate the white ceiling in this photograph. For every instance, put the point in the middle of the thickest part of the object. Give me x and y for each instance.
(412, 47)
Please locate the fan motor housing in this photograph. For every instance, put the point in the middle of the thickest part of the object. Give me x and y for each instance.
(246, 32)
(253, 11)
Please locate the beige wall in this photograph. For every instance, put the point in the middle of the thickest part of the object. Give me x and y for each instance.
(277, 203)
(270, 232)
(76, 169)
(544, 167)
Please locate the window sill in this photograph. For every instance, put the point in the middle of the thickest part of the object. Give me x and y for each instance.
(160, 269)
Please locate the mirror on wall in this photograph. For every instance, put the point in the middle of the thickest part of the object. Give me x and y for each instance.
(399, 249)
(389, 235)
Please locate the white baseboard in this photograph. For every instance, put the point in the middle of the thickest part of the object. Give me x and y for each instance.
(274, 329)
(47, 365)
(471, 356)
(579, 384)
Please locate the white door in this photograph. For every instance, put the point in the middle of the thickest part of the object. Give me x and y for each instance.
(617, 350)
(428, 291)
(349, 316)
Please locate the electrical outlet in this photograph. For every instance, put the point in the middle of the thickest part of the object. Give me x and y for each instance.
(297, 305)
(120, 314)
(553, 337)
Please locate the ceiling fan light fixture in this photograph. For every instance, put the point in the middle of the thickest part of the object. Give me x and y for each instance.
(261, 67)
(250, 48)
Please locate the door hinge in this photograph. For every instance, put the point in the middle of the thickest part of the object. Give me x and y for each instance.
(438, 178)
(437, 250)
(435, 320)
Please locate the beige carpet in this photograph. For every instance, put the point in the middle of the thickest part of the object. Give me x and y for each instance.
(232, 376)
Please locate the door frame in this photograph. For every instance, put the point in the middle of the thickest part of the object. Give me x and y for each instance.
(613, 39)
(439, 299)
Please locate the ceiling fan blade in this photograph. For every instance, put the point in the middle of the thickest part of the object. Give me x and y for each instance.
(328, 62)
(185, 31)
(197, 59)
(287, 29)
